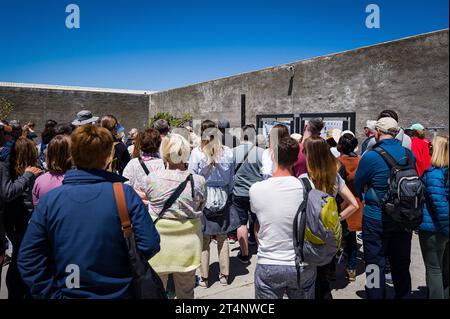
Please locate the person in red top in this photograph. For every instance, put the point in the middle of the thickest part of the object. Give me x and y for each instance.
(420, 148)
(312, 129)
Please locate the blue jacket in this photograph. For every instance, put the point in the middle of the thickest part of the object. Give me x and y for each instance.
(435, 210)
(374, 172)
(78, 224)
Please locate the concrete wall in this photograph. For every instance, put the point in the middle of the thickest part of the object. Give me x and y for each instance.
(40, 104)
(409, 75)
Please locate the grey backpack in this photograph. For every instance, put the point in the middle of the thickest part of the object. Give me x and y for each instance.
(317, 229)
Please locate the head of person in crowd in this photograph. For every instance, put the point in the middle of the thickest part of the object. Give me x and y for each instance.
(63, 129)
(16, 130)
(288, 149)
(58, 157)
(322, 165)
(313, 128)
(418, 130)
(369, 129)
(133, 133)
(23, 154)
(347, 144)
(249, 133)
(175, 151)
(439, 157)
(4, 130)
(331, 141)
(228, 139)
(162, 126)
(297, 137)
(386, 128)
(388, 113)
(90, 147)
(147, 142)
(110, 123)
(277, 133)
(85, 117)
(223, 126)
(409, 132)
(211, 144)
(49, 132)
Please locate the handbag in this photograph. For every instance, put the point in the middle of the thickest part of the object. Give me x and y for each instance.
(146, 284)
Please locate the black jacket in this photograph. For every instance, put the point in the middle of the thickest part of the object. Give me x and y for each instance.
(9, 191)
(123, 157)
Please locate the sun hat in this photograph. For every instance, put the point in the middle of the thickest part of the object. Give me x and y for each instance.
(84, 117)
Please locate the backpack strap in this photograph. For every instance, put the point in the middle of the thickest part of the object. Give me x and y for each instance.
(244, 160)
(300, 226)
(178, 191)
(387, 157)
(119, 195)
(144, 167)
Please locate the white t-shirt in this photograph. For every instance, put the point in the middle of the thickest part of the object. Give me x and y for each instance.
(267, 163)
(275, 202)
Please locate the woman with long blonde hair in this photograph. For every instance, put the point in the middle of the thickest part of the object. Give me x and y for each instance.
(433, 233)
(323, 175)
(214, 161)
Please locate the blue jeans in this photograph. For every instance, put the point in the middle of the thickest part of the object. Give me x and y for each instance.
(383, 242)
(273, 281)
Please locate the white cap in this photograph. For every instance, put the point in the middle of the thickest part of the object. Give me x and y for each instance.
(371, 124)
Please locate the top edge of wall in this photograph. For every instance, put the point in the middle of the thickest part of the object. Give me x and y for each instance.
(309, 60)
(73, 88)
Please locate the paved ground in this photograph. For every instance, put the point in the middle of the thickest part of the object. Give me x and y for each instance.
(241, 279)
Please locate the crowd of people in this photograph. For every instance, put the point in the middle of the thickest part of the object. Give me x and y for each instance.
(185, 192)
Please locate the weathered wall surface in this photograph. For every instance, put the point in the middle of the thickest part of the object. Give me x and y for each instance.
(61, 105)
(409, 75)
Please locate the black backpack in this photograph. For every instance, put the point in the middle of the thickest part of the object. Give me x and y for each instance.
(405, 197)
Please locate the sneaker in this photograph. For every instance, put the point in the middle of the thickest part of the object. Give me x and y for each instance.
(388, 280)
(243, 259)
(232, 239)
(350, 274)
(223, 280)
(202, 282)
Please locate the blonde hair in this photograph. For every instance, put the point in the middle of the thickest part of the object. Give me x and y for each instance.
(322, 165)
(440, 151)
(175, 149)
(211, 144)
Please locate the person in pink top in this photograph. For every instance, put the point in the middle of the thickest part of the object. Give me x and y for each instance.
(58, 162)
(312, 129)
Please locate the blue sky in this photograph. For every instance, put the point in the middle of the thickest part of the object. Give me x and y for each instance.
(162, 44)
